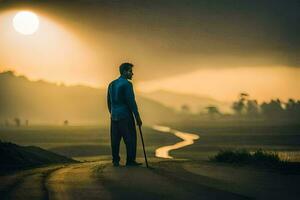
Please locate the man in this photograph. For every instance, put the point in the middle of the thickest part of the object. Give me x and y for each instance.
(123, 109)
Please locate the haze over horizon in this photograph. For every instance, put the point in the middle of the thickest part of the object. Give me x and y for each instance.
(212, 48)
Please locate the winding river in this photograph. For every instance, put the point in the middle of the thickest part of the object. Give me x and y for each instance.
(188, 139)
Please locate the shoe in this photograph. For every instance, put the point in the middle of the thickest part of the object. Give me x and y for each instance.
(116, 164)
(133, 163)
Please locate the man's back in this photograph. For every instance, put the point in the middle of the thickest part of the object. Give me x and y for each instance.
(121, 105)
(121, 100)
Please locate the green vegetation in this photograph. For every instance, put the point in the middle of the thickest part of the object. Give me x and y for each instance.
(273, 110)
(258, 158)
(243, 156)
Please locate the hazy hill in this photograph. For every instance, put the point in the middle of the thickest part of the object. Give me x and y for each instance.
(49, 103)
(177, 100)
(13, 156)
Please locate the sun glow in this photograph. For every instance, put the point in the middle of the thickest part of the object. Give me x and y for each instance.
(54, 52)
(26, 22)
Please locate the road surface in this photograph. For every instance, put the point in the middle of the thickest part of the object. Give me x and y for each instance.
(100, 180)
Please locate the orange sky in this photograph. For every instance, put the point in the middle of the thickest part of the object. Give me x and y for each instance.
(261, 83)
(59, 52)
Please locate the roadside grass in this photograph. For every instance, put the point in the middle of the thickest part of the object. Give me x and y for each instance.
(245, 157)
(258, 158)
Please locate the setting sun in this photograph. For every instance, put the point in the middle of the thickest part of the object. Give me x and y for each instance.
(26, 22)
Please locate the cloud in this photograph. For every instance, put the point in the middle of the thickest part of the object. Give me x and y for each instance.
(167, 37)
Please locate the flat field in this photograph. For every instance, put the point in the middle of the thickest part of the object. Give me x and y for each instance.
(197, 177)
(91, 142)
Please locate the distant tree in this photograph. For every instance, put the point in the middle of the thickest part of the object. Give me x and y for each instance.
(27, 122)
(185, 108)
(17, 122)
(244, 95)
(252, 108)
(213, 111)
(292, 109)
(66, 122)
(273, 109)
(240, 105)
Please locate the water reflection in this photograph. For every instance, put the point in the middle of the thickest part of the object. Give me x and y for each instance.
(188, 139)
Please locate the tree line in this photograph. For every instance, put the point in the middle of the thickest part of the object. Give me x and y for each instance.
(274, 109)
(246, 108)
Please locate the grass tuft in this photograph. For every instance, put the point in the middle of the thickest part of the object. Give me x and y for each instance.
(243, 156)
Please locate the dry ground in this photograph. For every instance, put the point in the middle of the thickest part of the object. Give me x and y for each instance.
(164, 180)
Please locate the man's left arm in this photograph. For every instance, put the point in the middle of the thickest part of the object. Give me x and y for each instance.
(130, 98)
(108, 99)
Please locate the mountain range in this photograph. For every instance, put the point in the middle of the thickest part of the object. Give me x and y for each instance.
(194, 103)
(42, 102)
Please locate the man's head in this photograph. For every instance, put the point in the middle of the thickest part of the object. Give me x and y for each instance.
(126, 70)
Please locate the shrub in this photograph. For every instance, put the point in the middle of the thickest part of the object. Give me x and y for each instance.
(229, 156)
(243, 156)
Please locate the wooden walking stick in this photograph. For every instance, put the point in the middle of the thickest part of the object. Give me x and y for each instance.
(143, 146)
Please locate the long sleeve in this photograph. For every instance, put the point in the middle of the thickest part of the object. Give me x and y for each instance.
(108, 99)
(130, 99)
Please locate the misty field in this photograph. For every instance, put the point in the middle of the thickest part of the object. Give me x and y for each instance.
(281, 138)
(91, 142)
(82, 142)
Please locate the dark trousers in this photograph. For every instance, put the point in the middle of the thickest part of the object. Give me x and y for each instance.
(124, 128)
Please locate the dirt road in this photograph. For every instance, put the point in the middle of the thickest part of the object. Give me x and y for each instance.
(99, 180)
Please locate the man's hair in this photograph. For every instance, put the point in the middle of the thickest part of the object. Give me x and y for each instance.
(125, 67)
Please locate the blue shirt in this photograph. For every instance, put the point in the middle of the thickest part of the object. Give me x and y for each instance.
(121, 100)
